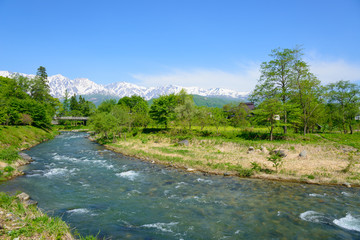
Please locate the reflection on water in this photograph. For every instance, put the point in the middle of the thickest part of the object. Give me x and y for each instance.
(94, 190)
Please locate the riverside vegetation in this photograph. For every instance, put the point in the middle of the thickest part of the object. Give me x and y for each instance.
(293, 112)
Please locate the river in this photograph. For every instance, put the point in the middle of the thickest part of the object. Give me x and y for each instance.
(96, 191)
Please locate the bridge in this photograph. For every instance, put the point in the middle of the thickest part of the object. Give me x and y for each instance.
(56, 119)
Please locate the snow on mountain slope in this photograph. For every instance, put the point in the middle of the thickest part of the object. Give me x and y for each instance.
(83, 86)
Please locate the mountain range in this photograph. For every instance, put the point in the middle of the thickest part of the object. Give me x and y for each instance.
(85, 87)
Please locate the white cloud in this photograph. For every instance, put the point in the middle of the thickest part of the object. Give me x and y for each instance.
(246, 76)
(329, 71)
(241, 80)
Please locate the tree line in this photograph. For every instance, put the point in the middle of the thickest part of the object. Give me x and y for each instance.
(288, 89)
(25, 101)
(286, 96)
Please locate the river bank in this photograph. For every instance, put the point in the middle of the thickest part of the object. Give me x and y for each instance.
(17, 138)
(18, 218)
(318, 162)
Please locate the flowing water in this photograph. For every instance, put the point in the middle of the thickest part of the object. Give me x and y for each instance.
(94, 189)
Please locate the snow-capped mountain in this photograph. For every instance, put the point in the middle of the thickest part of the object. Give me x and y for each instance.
(83, 86)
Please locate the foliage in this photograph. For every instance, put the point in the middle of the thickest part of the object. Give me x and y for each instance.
(27, 101)
(103, 123)
(106, 105)
(162, 111)
(344, 102)
(237, 114)
(185, 109)
(138, 110)
(266, 114)
(277, 77)
(276, 160)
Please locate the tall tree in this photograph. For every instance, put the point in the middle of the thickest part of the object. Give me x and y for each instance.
(217, 118)
(307, 92)
(66, 104)
(40, 89)
(41, 72)
(276, 79)
(345, 98)
(185, 109)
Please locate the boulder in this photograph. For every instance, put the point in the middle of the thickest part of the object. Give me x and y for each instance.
(281, 153)
(23, 197)
(264, 150)
(184, 142)
(250, 150)
(303, 154)
(30, 202)
(25, 157)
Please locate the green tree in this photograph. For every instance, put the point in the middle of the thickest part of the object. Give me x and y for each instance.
(103, 123)
(265, 114)
(41, 73)
(74, 106)
(66, 104)
(217, 118)
(162, 111)
(307, 93)
(39, 87)
(345, 100)
(138, 110)
(106, 106)
(122, 118)
(202, 116)
(277, 78)
(236, 114)
(185, 109)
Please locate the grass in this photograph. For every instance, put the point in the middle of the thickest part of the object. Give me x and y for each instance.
(14, 139)
(27, 222)
(352, 140)
(225, 152)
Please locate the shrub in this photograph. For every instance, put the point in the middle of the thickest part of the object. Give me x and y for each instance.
(255, 166)
(245, 172)
(276, 159)
(351, 161)
(9, 169)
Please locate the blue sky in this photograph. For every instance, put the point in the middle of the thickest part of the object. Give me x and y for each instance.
(188, 43)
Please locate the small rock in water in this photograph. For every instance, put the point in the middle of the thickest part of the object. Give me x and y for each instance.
(184, 142)
(303, 154)
(347, 184)
(190, 170)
